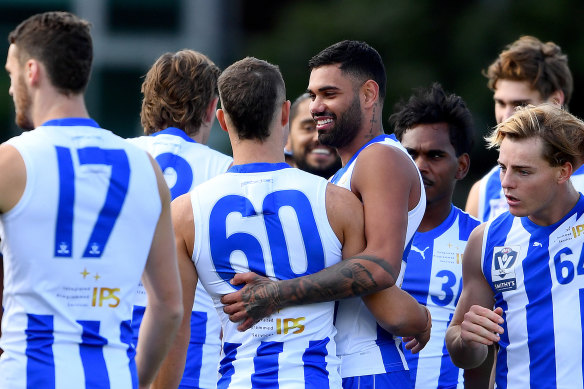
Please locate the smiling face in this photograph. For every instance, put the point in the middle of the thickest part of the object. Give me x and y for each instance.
(430, 147)
(335, 105)
(529, 182)
(18, 90)
(309, 154)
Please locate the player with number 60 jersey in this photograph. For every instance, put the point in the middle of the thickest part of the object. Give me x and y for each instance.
(265, 217)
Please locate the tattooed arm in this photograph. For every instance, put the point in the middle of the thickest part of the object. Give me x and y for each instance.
(388, 185)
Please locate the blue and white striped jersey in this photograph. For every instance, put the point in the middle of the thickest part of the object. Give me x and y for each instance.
(185, 164)
(70, 271)
(364, 347)
(537, 276)
(492, 201)
(433, 277)
(270, 219)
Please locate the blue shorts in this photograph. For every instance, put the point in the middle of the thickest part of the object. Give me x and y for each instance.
(393, 380)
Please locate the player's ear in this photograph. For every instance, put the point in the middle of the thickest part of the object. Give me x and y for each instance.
(33, 71)
(221, 119)
(463, 166)
(369, 93)
(557, 97)
(285, 112)
(565, 172)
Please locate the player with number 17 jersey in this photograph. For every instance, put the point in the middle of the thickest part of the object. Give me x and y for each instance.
(71, 272)
(270, 219)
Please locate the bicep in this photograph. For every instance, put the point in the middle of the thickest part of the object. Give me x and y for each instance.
(345, 214)
(385, 193)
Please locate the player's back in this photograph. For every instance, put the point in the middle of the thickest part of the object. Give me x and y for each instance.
(186, 164)
(270, 219)
(74, 247)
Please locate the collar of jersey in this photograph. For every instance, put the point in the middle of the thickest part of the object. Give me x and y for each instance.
(176, 132)
(341, 171)
(258, 167)
(87, 122)
(446, 224)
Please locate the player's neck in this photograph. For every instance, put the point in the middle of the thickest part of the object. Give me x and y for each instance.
(557, 208)
(254, 151)
(365, 134)
(60, 106)
(435, 215)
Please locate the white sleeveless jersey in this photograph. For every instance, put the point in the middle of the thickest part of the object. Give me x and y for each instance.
(185, 164)
(364, 347)
(492, 201)
(537, 276)
(433, 277)
(71, 258)
(270, 219)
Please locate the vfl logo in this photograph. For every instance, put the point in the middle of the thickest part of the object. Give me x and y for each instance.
(503, 268)
(421, 252)
(504, 260)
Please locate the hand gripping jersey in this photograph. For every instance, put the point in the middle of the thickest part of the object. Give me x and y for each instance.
(364, 347)
(72, 262)
(537, 276)
(270, 219)
(433, 277)
(492, 200)
(185, 164)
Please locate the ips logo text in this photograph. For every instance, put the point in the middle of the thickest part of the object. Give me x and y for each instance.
(288, 324)
(100, 295)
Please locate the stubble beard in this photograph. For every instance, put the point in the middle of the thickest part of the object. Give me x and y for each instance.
(346, 127)
(22, 104)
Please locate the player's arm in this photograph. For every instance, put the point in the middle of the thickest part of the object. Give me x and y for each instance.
(385, 179)
(395, 310)
(482, 376)
(1, 293)
(398, 312)
(475, 326)
(164, 309)
(472, 201)
(386, 197)
(12, 182)
(171, 371)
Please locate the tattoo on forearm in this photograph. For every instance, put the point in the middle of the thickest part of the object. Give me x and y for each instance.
(348, 278)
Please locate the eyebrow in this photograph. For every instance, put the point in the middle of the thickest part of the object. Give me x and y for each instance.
(515, 102)
(515, 166)
(324, 88)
